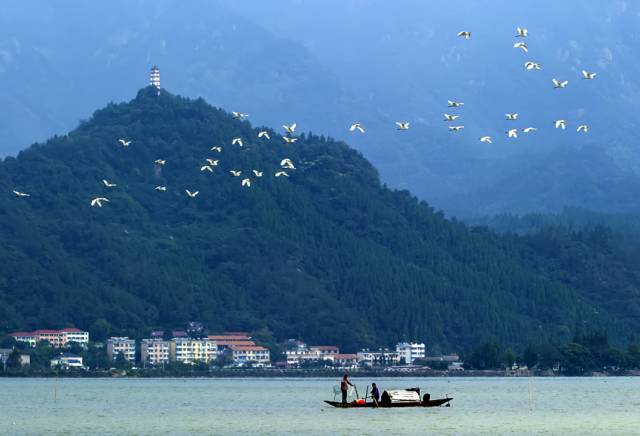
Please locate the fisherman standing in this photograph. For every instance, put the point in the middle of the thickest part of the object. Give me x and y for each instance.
(344, 387)
(375, 393)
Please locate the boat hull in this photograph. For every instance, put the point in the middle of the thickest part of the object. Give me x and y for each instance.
(353, 405)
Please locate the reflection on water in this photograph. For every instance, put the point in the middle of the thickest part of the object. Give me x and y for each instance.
(281, 406)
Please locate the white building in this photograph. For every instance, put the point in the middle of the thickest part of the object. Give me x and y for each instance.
(57, 338)
(154, 77)
(67, 361)
(154, 351)
(382, 357)
(410, 351)
(313, 353)
(254, 354)
(188, 350)
(121, 345)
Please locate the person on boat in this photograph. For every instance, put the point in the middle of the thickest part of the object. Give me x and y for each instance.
(344, 387)
(375, 393)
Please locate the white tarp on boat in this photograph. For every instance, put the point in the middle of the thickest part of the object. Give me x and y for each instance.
(403, 396)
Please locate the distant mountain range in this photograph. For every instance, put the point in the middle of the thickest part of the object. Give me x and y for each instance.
(328, 64)
(327, 254)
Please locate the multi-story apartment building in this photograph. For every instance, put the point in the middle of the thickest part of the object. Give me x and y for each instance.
(187, 350)
(382, 357)
(57, 338)
(300, 353)
(410, 351)
(254, 354)
(121, 345)
(154, 351)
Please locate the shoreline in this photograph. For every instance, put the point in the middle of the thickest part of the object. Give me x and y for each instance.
(297, 373)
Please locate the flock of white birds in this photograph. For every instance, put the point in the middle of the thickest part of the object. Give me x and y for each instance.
(288, 138)
(208, 165)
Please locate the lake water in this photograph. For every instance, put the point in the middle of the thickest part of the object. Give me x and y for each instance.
(294, 406)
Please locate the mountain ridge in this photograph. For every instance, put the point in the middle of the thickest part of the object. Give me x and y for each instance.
(327, 254)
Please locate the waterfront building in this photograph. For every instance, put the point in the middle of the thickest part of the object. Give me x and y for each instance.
(302, 353)
(410, 351)
(187, 350)
(346, 361)
(67, 361)
(57, 338)
(255, 354)
(121, 345)
(324, 352)
(381, 357)
(154, 351)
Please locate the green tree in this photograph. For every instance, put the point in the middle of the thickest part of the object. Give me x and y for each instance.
(530, 356)
(121, 362)
(99, 330)
(13, 361)
(487, 356)
(508, 358)
(41, 355)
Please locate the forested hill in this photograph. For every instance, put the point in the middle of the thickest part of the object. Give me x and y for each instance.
(327, 254)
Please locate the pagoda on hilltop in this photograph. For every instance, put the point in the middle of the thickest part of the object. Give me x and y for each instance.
(154, 77)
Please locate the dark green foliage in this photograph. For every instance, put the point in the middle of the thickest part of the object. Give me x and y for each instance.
(99, 330)
(328, 255)
(121, 362)
(13, 361)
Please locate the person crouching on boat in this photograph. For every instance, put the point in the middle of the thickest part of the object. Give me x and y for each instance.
(344, 387)
(375, 393)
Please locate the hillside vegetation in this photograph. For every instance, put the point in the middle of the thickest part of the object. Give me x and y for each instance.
(328, 254)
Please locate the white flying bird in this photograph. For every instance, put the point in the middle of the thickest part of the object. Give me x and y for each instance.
(289, 139)
(287, 164)
(402, 125)
(587, 75)
(486, 139)
(464, 34)
(237, 141)
(246, 182)
(206, 168)
(191, 194)
(560, 124)
(124, 142)
(521, 32)
(218, 149)
(282, 173)
(448, 117)
(160, 162)
(21, 194)
(513, 133)
(529, 129)
(357, 126)
(558, 84)
(239, 115)
(522, 45)
(582, 128)
(236, 173)
(264, 133)
(257, 173)
(161, 188)
(291, 128)
(455, 128)
(212, 162)
(530, 65)
(98, 201)
(108, 184)
(451, 103)
(511, 116)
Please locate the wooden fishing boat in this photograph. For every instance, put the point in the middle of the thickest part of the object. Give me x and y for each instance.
(424, 403)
